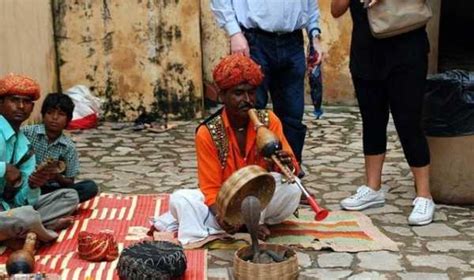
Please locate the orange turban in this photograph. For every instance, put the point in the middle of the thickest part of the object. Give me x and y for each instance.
(237, 69)
(13, 84)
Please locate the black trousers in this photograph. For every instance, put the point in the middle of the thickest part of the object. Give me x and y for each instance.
(401, 93)
(86, 189)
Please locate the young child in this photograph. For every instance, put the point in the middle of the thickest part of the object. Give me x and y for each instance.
(49, 143)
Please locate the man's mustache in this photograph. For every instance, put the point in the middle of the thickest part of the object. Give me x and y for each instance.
(245, 105)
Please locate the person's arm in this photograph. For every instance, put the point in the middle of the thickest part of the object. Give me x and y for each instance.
(226, 18)
(71, 159)
(10, 174)
(3, 169)
(208, 165)
(27, 195)
(313, 29)
(339, 7)
(276, 127)
(64, 181)
(35, 179)
(313, 20)
(3, 163)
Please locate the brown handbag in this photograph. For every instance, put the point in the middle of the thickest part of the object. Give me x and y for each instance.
(388, 18)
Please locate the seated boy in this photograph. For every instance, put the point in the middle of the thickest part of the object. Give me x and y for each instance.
(49, 143)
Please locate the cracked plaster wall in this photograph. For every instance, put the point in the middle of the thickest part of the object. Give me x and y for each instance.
(133, 54)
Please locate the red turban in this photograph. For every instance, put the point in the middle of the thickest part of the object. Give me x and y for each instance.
(237, 69)
(96, 247)
(13, 84)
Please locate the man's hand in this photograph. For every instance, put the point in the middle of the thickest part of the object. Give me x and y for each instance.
(37, 180)
(220, 220)
(263, 232)
(40, 177)
(239, 44)
(12, 175)
(318, 49)
(230, 229)
(285, 158)
(50, 171)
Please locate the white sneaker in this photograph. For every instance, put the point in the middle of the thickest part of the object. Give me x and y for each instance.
(365, 197)
(423, 211)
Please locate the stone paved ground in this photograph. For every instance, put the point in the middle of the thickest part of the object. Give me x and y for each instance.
(140, 162)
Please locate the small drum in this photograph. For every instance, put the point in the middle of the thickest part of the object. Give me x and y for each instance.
(249, 180)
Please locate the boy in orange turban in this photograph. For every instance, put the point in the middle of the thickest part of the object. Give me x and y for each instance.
(22, 209)
(226, 142)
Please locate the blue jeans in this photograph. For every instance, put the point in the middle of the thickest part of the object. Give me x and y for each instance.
(283, 63)
(86, 189)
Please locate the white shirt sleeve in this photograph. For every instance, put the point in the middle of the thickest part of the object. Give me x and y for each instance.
(225, 16)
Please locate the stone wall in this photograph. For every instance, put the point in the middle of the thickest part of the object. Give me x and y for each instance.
(336, 36)
(135, 54)
(27, 46)
(148, 54)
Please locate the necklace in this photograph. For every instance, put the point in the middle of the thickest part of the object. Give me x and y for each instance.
(240, 129)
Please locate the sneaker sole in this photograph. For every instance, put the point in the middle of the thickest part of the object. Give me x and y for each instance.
(372, 204)
(422, 223)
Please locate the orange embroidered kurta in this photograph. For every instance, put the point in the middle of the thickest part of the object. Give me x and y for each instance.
(211, 174)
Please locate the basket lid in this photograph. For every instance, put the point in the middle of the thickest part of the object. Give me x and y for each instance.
(249, 180)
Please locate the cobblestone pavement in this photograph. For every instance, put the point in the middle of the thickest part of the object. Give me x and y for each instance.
(141, 162)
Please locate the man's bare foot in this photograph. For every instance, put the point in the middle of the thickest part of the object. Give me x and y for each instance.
(62, 223)
(263, 232)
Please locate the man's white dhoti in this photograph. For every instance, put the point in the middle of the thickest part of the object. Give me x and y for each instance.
(194, 221)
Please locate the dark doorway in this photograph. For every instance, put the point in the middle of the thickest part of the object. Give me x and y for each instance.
(456, 35)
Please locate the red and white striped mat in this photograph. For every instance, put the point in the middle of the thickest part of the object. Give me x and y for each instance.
(128, 217)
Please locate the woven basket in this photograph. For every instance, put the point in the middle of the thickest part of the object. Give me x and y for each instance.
(150, 260)
(285, 270)
(249, 180)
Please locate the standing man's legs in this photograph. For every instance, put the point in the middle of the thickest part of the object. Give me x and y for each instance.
(283, 62)
(287, 90)
(263, 56)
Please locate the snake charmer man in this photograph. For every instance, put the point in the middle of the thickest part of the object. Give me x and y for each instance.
(226, 142)
(22, 208)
